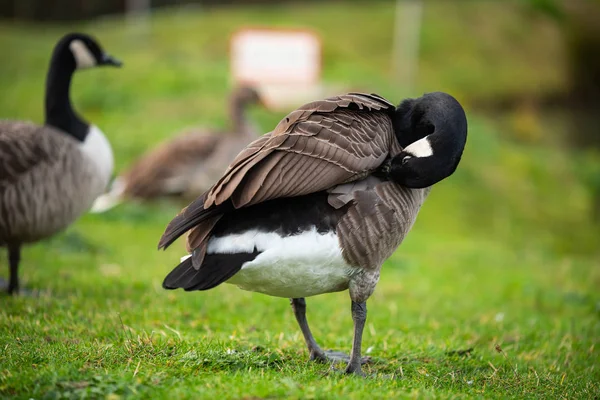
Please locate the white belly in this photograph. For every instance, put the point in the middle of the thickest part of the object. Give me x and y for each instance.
(302, 265)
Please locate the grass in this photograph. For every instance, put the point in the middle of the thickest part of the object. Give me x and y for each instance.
(493, 294)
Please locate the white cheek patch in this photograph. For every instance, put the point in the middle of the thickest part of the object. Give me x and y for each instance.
(83, 56)
(420, 148)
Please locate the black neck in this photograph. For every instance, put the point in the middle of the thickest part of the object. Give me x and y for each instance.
(59, 112)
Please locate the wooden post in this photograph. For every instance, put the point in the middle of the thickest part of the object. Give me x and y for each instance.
(405, 52)
(138, 12)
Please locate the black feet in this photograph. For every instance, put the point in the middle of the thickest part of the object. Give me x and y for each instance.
(20, 292)
(6, 288)
(330, 356)
(334, 357)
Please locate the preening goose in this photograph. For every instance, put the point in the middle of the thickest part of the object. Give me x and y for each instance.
(50, 174)
(318, 204)
(188, 165)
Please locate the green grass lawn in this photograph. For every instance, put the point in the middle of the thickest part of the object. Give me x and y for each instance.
(493, 294)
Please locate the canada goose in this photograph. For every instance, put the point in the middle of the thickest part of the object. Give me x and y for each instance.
(318, 204)
(50, 174)
(188, 165)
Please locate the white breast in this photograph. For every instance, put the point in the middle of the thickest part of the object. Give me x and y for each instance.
(97, 148)
(302, 265)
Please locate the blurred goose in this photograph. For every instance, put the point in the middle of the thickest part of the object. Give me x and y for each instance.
(50, 174)
(187, 165)
(317, 205)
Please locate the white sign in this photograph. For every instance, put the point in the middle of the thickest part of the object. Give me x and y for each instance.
(272, 56)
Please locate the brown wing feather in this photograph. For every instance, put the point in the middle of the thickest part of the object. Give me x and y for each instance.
(352, 133)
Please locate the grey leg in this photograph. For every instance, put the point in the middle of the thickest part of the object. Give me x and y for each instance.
(316, 353)
(299, 307)
(14, 257)
(359, 316)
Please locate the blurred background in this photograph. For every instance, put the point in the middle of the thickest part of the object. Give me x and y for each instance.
(504, 251)
(527, 72)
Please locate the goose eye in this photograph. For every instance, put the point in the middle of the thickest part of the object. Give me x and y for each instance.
(405, 159)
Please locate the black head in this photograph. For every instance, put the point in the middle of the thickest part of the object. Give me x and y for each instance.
(432, 131)
(84, 51)
(73, 51)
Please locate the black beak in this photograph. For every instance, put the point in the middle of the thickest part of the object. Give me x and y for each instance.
(110, 60)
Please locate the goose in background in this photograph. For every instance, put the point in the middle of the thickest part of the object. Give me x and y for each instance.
(317, 205)
(51, 174)
(187, 165)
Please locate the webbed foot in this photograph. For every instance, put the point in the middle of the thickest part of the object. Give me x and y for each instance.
(330, 356)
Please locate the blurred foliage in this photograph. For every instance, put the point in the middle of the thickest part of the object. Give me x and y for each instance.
(552, 8)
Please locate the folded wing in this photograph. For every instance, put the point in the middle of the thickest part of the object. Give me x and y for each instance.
(316, 147)
(23, 148)
(319, 145)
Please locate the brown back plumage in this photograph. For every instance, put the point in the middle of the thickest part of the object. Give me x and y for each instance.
(21, 151)
(169, 167)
